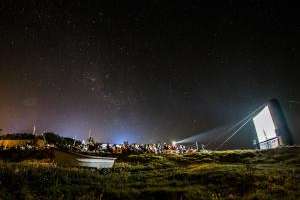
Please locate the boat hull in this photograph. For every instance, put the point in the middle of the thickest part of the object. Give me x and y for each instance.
(99, 163)
(74, 159)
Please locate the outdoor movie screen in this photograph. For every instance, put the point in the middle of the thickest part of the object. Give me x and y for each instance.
(264, 125)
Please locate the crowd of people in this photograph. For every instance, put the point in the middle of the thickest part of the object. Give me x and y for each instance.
(157, 148)
(149, 148)
(90, 146)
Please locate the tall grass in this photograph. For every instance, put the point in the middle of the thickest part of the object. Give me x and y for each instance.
(227, 175)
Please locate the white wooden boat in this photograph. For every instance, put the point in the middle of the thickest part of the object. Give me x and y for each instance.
(71, 159)
(96, 162)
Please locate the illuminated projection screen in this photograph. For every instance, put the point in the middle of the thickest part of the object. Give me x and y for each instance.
(265, 129)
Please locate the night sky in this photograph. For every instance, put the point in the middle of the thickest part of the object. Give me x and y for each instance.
(145, 71)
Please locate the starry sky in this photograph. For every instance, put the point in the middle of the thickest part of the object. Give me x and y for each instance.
(145, 71)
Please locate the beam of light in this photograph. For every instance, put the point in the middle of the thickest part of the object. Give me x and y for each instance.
(201, 135)
(234, 133)
(247, 119)
(221, 131)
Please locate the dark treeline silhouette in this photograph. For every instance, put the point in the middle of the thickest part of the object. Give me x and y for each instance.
(55, 139)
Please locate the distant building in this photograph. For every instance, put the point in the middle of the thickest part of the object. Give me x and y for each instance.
(18, 140)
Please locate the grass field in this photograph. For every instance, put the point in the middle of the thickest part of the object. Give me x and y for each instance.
(240, 174)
